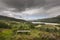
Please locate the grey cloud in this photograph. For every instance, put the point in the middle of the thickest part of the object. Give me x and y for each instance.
(2, 6)
(52, 8)
(52, 3)
(22, 4)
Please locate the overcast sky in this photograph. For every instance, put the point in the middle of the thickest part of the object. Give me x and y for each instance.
(30, 9)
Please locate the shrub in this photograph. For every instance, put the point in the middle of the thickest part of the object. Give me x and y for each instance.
(3, 25)
(6, 35)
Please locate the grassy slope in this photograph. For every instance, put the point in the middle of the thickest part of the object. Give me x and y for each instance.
(43, 32)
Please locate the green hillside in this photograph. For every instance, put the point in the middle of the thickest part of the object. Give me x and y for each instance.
(9, 18)
(51, 20)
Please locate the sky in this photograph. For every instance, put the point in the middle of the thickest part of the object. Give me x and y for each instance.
(30, 9)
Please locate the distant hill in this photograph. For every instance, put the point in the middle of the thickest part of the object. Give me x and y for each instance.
(51, 20)
(10, 19)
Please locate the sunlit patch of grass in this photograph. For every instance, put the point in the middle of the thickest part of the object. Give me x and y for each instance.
(35, 33)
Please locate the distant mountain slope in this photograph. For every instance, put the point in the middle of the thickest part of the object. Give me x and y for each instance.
(52, 20)
(10, 18)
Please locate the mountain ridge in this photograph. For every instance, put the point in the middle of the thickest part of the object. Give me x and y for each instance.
(10, 18)
(50, 20)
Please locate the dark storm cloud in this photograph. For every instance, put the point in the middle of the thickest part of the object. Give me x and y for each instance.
(34, 8)
(21, 4)
(51, 3)
(2, 5)
(52, 8)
